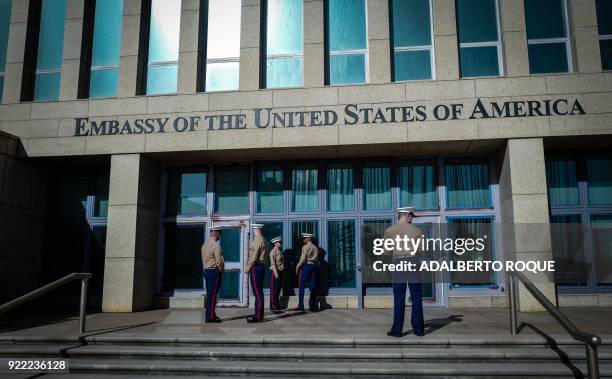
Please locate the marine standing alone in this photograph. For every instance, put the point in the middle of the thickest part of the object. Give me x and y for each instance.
(276, 273)
(404, 228)
(213, 263)
(307, 271)
(256, 270)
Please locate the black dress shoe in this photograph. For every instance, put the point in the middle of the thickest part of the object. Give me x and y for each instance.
(214, 321)
(218, 319)
(252, 320)
(391, 334)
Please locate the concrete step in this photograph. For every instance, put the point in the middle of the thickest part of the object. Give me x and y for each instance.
(332, 369)
(306, 353)
(292, 340)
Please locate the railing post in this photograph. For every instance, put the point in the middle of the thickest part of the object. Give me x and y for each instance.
(83, 306)
(512, 304)
(592, 361)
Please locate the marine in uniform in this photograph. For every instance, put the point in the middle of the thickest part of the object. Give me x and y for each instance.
(402, 228)
(256, 270)
(307, 271)
(276, 272)
(213, 263)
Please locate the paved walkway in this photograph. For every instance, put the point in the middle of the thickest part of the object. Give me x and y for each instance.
(333, 322)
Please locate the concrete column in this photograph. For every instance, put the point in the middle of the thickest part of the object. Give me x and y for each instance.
(514, 38)
(71, 59)
(250, 45)
(585, 36)
(23, 195)
(15, 52)
(314, 44)
(130, 36)
(132, 234)
(379, 43)
(188, 47)
(445, 40)
(524, 207)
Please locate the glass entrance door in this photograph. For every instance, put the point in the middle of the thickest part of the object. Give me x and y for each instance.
(233, 241)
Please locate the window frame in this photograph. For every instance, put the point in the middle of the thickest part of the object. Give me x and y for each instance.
(497, 44)
(267, 56)
(156, 64)
(203, 59)
(402, 49)
(566, 40)
(330, 53)
(585, 211)
(323, 215)
(602, 37)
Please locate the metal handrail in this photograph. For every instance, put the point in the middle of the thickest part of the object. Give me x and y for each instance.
(83, 277)
(590, 340)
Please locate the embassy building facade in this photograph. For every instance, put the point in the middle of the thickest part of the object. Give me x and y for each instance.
(130, 127)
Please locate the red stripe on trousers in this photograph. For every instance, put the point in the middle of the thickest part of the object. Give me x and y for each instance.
(272, 298)
(256, 294)
(214, 297)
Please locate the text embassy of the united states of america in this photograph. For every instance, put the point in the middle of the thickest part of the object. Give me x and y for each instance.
(351, 114)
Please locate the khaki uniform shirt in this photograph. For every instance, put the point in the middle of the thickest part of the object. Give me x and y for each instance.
(310, 254)
(257, 252)
(276, 261)
(401, 230)
(212, 255)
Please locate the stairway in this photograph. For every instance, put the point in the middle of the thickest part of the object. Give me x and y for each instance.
(106, 356)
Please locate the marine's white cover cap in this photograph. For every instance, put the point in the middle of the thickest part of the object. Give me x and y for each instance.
(406, 210)
(277, 239)
(257, 226)
(306, 235)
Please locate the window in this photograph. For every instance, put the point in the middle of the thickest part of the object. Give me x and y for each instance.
(567, 237)
(164, 33)
(479, 38)
(604, 24)
(411, 31)
(548, 36)
(270, 197)
(562, 182)
(346, 40)
(340, 187)
(182, 258)
(467, 184)
(50, 49)
(232, 190)
(599, 180)
(472, 227)
(106, 48)
(305, 188)
(5, 22)
(418, 185)
(76, 224)
(222, 48)
(100, 205)
(580, 197)
(186, 192)
(341, 249)
(284, 43)
(602, 241)
(376, 186)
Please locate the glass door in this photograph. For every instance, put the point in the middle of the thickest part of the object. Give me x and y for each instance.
(234, 236)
